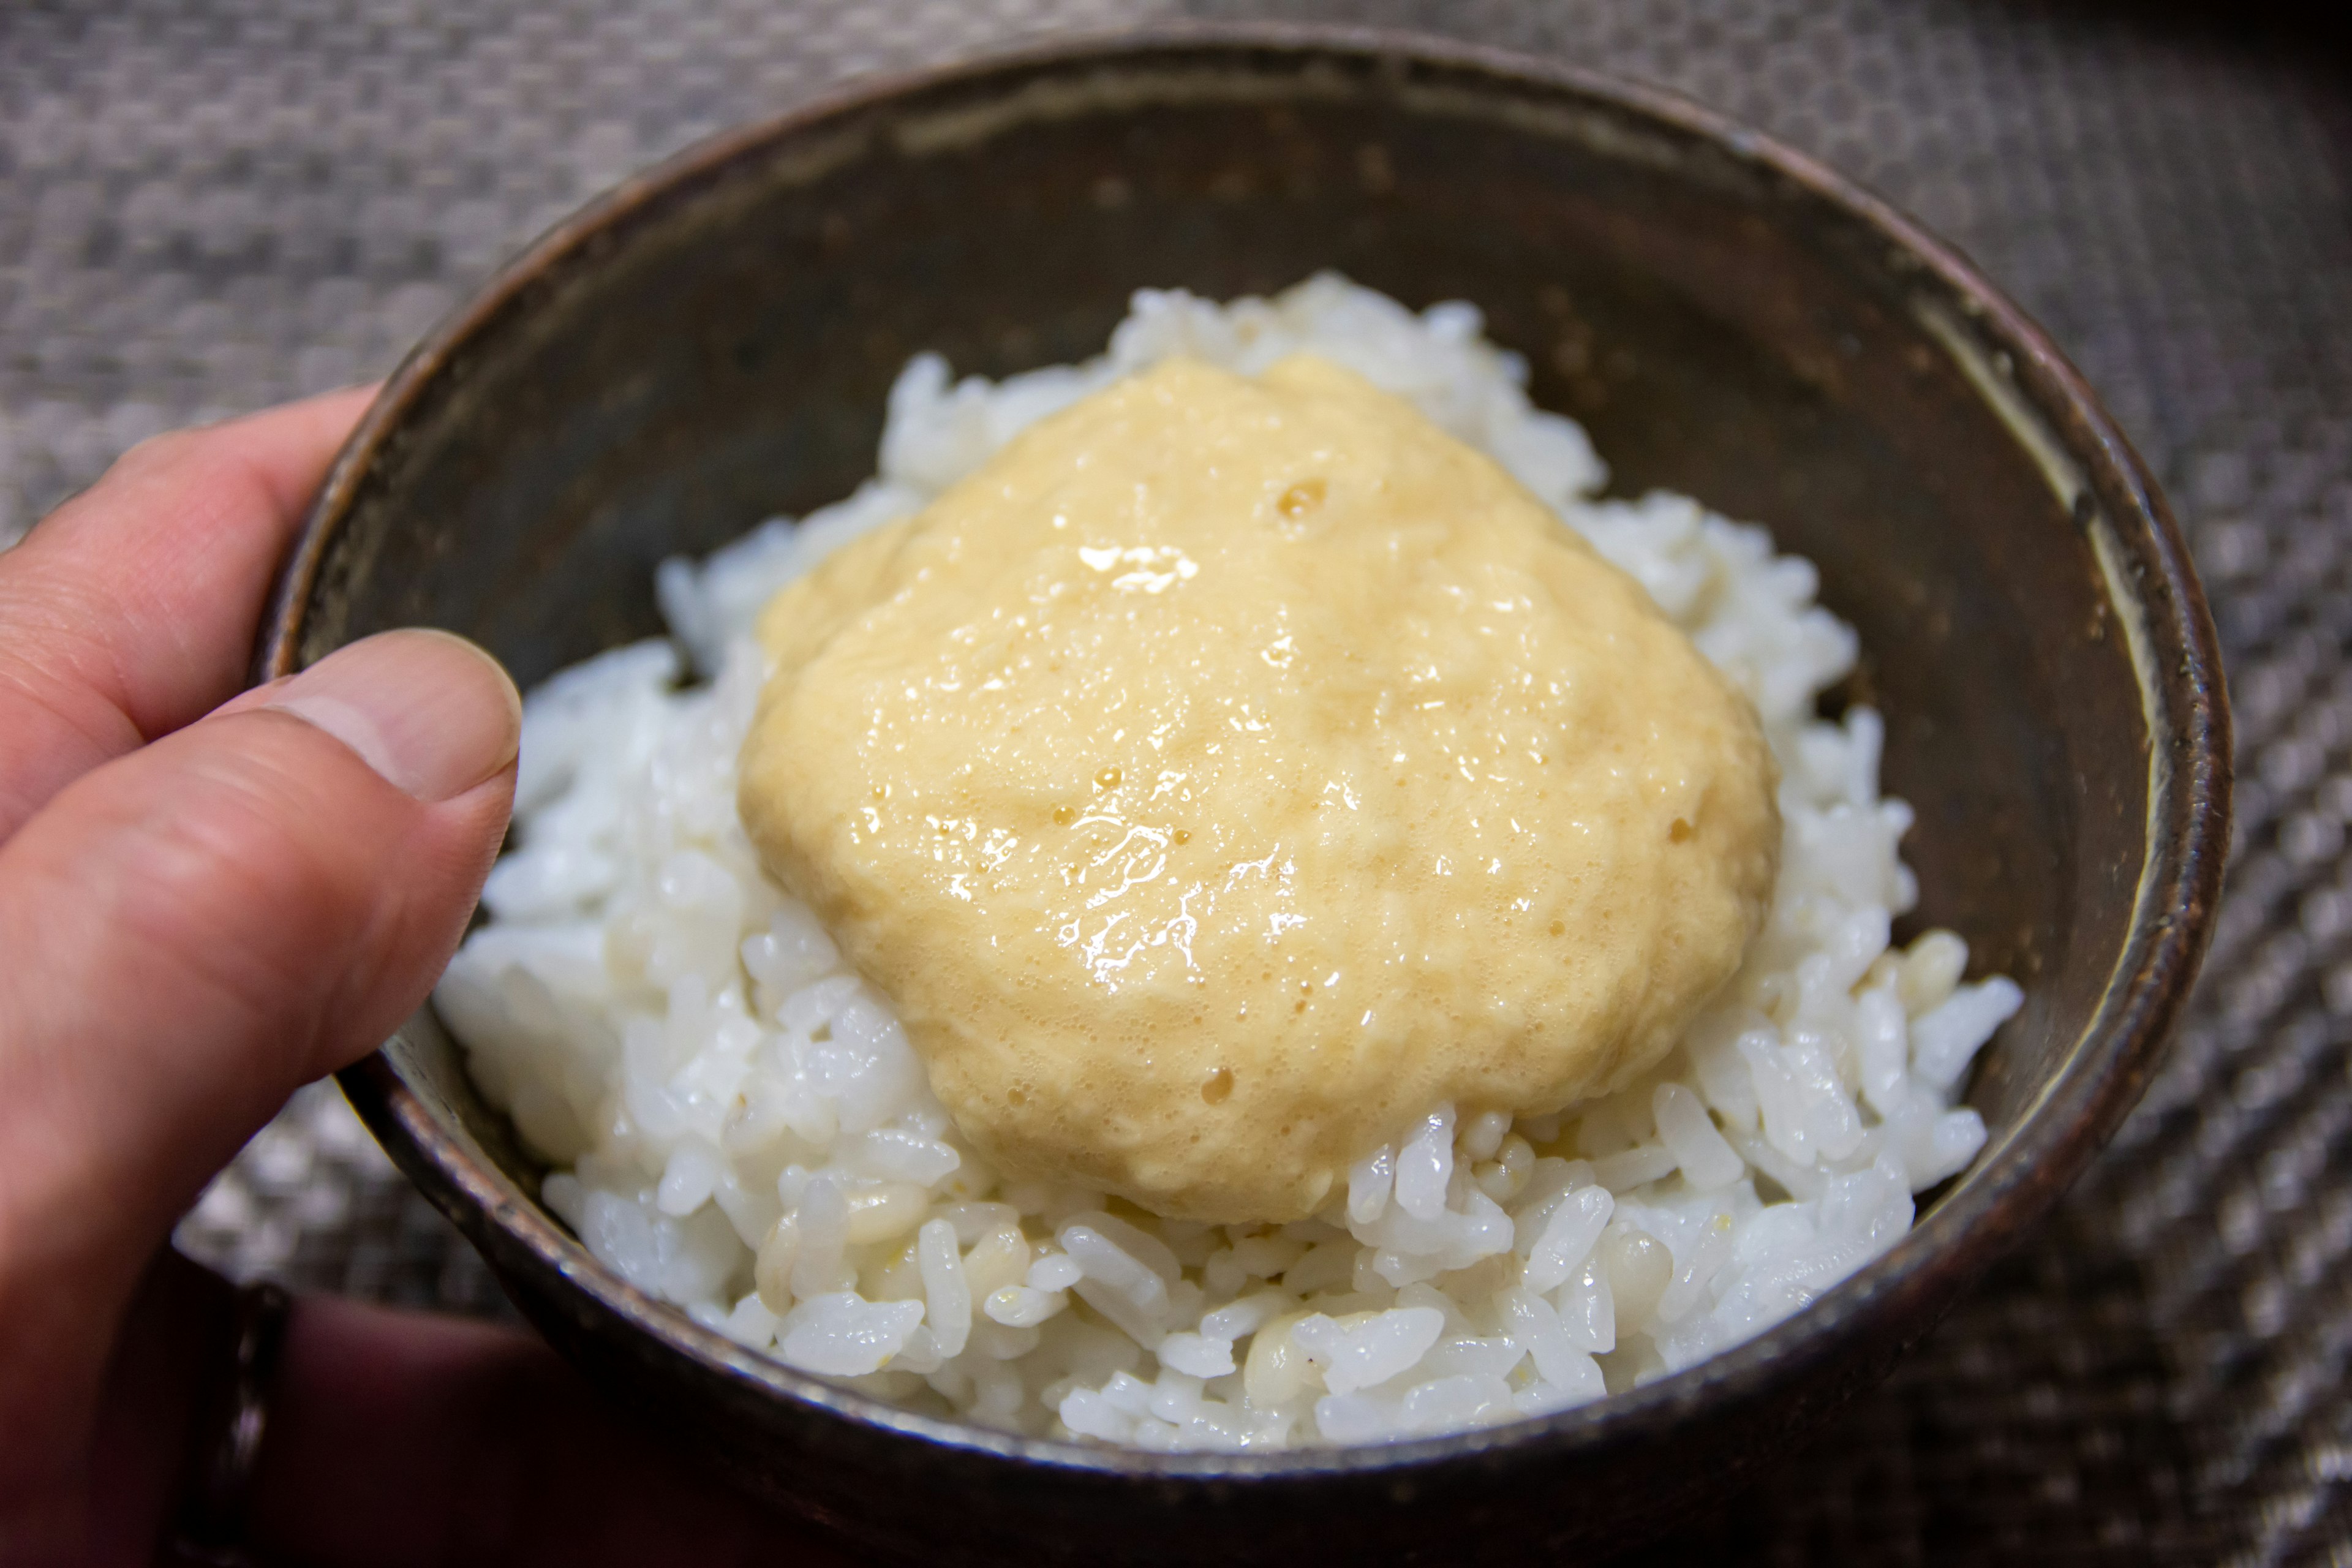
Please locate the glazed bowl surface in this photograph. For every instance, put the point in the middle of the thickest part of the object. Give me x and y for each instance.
(710, 345)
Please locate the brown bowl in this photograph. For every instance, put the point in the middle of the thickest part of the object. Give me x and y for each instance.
(710, 345)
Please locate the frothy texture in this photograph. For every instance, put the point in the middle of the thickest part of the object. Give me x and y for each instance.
(1232, 771)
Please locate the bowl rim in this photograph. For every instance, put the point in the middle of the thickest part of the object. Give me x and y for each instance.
(2149, 580)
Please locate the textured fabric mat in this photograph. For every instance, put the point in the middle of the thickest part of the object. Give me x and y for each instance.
(204, 207)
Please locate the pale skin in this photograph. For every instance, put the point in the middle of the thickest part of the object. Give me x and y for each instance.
(206, 899)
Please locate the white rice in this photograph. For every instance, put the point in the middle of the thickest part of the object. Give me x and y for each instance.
(737, 1125)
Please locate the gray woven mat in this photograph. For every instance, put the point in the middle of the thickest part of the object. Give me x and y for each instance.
(204, 207)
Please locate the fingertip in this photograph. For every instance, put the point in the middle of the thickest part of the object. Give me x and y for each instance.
(427, 710)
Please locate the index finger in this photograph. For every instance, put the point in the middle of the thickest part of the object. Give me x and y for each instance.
(131, 610)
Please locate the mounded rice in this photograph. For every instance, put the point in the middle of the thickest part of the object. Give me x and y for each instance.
(737, 1123)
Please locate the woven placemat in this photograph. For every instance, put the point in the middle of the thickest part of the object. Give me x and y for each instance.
(207, 207)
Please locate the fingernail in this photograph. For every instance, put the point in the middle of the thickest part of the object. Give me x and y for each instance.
(430, 711)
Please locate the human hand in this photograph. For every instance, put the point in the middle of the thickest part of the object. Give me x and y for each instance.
(205, 900)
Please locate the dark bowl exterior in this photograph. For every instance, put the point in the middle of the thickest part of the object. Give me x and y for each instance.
(710, 345)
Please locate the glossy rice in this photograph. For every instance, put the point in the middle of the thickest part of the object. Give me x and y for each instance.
(738, 1124)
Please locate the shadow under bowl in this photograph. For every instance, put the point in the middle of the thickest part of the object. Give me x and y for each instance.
(711, 344)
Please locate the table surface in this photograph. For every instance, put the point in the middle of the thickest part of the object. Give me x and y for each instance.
(206, 207)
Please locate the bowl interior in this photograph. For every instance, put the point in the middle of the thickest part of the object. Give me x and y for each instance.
(712, 347)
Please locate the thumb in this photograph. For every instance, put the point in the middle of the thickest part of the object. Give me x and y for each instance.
(194, 930)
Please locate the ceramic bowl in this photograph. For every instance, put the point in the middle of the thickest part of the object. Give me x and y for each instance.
(710, 345)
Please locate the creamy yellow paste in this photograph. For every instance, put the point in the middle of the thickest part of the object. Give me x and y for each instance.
(1233, 770)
